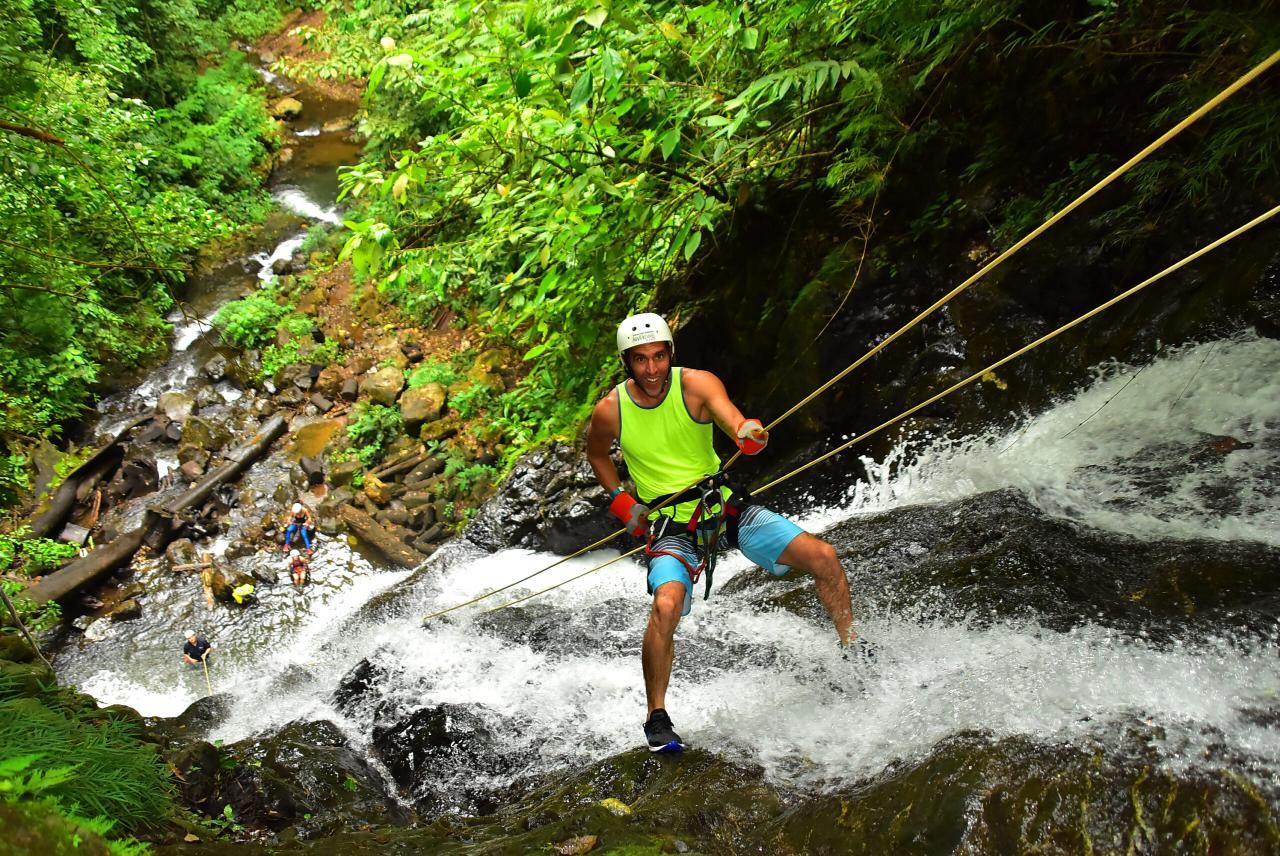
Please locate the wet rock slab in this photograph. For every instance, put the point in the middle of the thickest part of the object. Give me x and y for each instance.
(997, 556)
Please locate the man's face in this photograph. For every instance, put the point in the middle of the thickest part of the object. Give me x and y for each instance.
(649, 366)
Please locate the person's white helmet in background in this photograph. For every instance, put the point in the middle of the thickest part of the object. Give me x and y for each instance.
(641, 330)
(297, 506)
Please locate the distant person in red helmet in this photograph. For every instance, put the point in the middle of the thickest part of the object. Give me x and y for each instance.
(662, 417)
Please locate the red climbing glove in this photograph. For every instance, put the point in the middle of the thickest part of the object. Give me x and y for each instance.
(634, 515)
(751, 436)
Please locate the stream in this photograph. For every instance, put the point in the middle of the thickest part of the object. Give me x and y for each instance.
(810, 720)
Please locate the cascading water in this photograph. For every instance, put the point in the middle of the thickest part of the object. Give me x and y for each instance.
(769, 687)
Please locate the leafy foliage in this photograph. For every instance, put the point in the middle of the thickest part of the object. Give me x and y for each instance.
(118, 158)
(543, 169)
(374, 426)
(88, 761)
(251, 321)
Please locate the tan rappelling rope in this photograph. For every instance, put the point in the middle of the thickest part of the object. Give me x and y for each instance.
(1140, 156)
(977, 375)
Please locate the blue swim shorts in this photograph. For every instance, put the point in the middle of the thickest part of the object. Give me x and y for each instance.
(762, 536)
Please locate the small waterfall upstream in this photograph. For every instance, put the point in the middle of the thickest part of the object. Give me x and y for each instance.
(768, 687)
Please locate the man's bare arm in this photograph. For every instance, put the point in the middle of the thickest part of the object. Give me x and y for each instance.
(601, 433)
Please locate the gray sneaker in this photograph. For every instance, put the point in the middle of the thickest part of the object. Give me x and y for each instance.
(661, 735)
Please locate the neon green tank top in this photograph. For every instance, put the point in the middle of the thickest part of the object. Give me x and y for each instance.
(665, 448)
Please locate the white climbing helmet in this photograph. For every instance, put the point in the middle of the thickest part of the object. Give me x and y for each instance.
(297, 506)
(642, 329)
(187, 634)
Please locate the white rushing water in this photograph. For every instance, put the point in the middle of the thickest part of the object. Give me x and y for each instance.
(769, 688)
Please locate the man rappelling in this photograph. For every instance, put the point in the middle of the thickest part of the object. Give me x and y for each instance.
(662, 417)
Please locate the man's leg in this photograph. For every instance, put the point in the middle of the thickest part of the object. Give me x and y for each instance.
(659, 647)
(818, 558)
(288, 535)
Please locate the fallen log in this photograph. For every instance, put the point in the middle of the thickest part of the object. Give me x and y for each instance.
(158, 525)
(371, 532)
(59, 505)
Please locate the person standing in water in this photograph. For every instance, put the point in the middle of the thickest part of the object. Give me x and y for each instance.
(196, 649)
(663, 418)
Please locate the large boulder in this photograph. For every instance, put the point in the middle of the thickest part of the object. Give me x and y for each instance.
(549, 501)
(305, 776)
(422, 404)
(445, 758)
(383, 386)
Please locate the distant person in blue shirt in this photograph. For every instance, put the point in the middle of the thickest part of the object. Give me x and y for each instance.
(196, 649)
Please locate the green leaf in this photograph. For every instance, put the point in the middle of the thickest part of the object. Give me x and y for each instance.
(691, 244)
(581, 91)
(524, 84)
(667, 142)
(375, 76)
(596, 16)
(715, 121)
(750, 38)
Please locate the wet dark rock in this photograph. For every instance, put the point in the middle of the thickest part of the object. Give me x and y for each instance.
(998, 556)
(350, 389)
(173, 432)
(181, 551)
(305, 777)
(153, 431)
(975, 794)
(136, 477)
(442, 757)
(358, 690)
(322, 404)
(313, 467)
(200, 718)
(549, 501)
(125, 610)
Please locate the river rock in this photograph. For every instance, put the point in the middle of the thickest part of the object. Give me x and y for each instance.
(350, 389)
(205, 434)
(313, 468)
(341, 473)
(997, 556)
(191, 471)
(443, 757)
(388, 351)
(176, 406)
(215, 368)
(305, 776)
(137, 475)
(181, 551)
(422, 404)
(329, 381)
(287, 109)
(383, 386)
(126, 610)
(549, 501)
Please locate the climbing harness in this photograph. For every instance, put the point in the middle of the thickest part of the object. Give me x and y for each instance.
(714, 518)
(1115, 174)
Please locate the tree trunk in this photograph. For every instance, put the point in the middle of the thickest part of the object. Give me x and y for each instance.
(49, 521)
(157, 526)
(370, 531)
